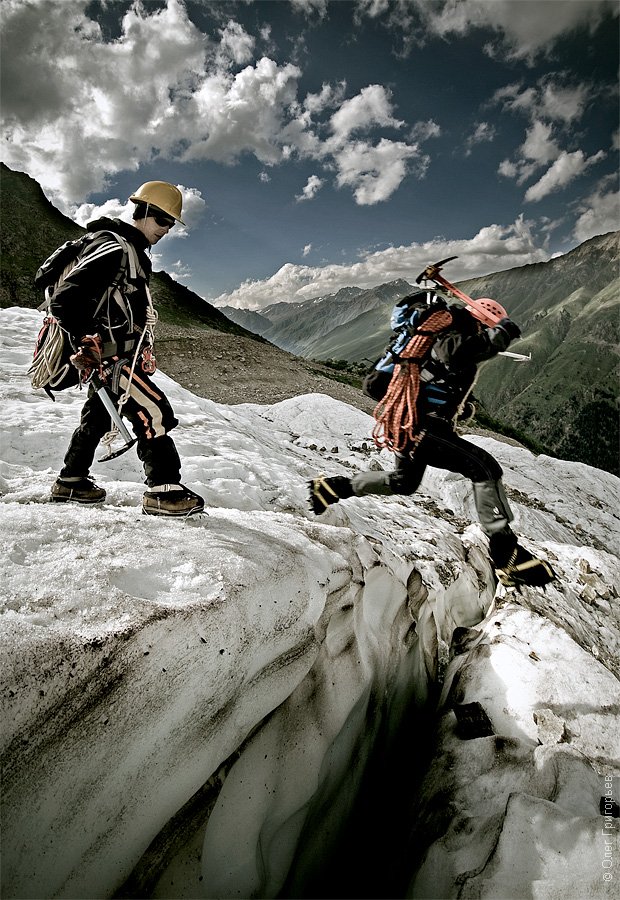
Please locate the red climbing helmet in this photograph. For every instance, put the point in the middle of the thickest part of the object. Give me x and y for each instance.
(487, 311)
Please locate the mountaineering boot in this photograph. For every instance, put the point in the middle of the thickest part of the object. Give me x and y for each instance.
(525, 569)
(78, 490)
(171, 500)
(325, 491)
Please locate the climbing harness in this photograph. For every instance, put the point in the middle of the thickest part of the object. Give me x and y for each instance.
(148, 366)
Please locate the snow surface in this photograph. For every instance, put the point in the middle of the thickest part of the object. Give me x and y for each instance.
(139, 654)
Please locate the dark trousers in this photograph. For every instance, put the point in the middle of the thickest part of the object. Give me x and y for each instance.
(151, 417)
(443, 448)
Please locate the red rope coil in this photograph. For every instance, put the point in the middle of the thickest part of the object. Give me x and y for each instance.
(397, 415)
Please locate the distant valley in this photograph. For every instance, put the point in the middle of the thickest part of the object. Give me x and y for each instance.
(565, 399)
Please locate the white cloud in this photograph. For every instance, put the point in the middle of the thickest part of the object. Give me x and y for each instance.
(179, 271)
(599, 213)
(423, 131)
(236, 46)
(244, 113)
(553, 98)
(330, 96)
(566, 167)
(538, 145)
(566, 103)
(492, 249)
(374, 173)
(311, 187)
(193, 209)
(482, 133)
(553, 108)
(93, 108)
(371, 8)
(306, 249)
(372, 106)
(508, 169)
(79, 109)
(524, 32)
(310, 7)
(111, 209)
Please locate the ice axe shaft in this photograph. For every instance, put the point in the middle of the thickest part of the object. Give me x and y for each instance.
(114, 416)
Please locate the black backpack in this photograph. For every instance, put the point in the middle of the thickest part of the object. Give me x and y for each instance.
(51, 368)
(407, 320)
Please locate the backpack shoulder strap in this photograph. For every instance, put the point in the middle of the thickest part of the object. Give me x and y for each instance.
(129, 257)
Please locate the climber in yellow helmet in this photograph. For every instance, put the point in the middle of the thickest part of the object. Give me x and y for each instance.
(104, 305)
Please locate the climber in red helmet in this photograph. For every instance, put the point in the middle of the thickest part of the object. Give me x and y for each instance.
(423, 383)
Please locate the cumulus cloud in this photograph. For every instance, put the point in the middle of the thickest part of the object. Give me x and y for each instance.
(482, 133)
(79, 109)
(310, 7)
(193, 208)
(538, 145)
(311, 187)
(372, 106)
(306, 249)
(375, 172)
(599, 213)
(236, 46)
(95, 107)
(554, 108)
(423, 131)
(565, 168)
(520, 34)
(492, 249)
(553, 98)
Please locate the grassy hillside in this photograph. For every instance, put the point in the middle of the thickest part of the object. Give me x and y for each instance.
(566, 397)
(33, 230)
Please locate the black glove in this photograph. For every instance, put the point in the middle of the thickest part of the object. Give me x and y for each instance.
(511, 328)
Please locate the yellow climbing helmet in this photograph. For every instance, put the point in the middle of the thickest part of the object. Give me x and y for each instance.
(163, 195)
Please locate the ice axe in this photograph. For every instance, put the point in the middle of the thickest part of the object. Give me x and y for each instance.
(432, 273)
(107, 401)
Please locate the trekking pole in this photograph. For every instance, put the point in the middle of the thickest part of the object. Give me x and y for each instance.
(115, 417)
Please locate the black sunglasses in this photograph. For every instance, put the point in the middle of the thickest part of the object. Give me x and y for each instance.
(164, 221)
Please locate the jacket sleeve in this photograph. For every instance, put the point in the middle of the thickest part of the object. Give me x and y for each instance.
(458, 351)
(75, 302)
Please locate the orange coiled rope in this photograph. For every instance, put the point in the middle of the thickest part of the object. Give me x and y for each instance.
(397, 415)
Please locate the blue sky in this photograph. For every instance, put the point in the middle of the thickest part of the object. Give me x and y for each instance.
(323, 144)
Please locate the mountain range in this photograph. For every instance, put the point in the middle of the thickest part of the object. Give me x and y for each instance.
(196, 344)
(565, 397)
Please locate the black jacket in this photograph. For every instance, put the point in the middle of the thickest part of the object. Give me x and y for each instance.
(77, 302)
(449, 375)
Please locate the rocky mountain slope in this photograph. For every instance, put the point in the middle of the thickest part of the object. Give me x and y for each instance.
(308, 328)
(568, 308)
(565, 398)
(196, 343)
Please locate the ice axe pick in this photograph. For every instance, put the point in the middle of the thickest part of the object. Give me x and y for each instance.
(431, 273)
